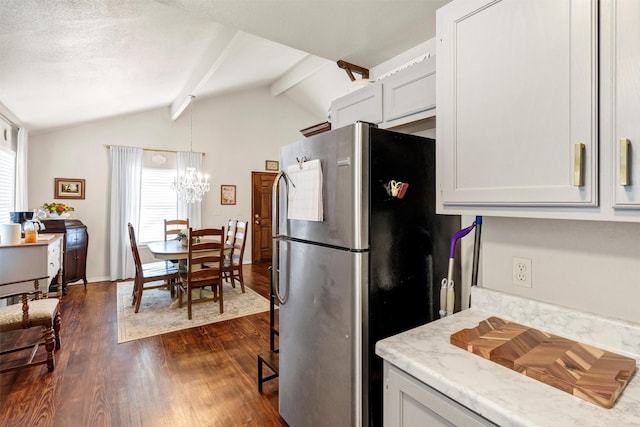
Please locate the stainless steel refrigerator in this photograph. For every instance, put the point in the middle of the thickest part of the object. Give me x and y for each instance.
(368, 268)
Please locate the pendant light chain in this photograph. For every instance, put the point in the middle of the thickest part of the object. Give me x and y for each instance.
(191, 123)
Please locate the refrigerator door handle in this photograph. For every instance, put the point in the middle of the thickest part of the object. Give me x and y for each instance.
(275, 205)
(281, 287)
(275, 273)
(275, 230)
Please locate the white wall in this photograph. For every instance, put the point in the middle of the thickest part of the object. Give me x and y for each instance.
(587, 265)
(236, 132)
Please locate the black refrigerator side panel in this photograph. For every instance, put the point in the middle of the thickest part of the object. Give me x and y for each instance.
(408, 244)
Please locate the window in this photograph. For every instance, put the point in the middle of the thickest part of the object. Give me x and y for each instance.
(157, 202)
(7, 183)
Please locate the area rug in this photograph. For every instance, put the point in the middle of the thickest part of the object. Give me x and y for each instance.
(156, 316)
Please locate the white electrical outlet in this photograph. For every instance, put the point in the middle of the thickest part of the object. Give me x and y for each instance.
(522, 272)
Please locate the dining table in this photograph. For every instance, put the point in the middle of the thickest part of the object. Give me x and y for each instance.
(168, 249)
(173, 249)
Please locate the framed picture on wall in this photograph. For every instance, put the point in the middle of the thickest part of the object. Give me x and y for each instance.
(69, 188)
(227, 194)
(272, 165)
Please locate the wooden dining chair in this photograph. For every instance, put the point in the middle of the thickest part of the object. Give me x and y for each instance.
(232, 268)
(173, 226)
(32, 311)
(204, 267)
(231, 234)
(153, 275)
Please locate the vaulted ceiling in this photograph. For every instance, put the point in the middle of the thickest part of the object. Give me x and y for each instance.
(64, 62)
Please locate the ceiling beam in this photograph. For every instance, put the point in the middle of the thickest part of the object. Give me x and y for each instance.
(215, 55)
(306, 67)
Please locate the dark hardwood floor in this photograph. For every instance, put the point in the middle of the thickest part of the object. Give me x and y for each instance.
(204, 376)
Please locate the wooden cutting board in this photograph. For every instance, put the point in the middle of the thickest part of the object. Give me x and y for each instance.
(590, 373)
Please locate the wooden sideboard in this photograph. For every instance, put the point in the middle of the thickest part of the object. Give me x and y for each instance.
(74, 246)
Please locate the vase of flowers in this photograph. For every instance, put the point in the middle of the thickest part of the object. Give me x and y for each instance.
(57, 210)
(182, 237)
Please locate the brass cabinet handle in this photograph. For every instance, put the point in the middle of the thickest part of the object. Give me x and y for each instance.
(578, 165)
(625, 166)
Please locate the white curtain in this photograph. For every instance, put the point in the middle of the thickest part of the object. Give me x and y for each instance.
(22, 195)
(193, 211)
(126, 177)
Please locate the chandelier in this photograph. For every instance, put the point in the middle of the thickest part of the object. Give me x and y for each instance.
(191, 185)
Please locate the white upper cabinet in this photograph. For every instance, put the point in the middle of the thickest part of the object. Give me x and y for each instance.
(410, 93)
(364, 104)
(405, 96)
(620, 91)
(517, 103)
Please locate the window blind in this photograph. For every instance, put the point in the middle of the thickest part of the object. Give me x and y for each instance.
(7, 183)
(157, 203)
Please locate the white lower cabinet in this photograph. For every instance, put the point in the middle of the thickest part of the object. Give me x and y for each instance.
(411, 403)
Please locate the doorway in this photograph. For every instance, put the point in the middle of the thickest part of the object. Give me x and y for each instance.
(261, 185)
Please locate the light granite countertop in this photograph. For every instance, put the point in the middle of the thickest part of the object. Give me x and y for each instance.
(501, 395)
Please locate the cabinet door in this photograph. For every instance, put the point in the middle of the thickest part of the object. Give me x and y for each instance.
(623, 77)
(76, 254)
(71, 265)
(411, 403)
(364, 104)
(516, 92)
(409, 92)
(75, 237)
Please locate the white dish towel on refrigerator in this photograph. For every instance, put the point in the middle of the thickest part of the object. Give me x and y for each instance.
(305, 195)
